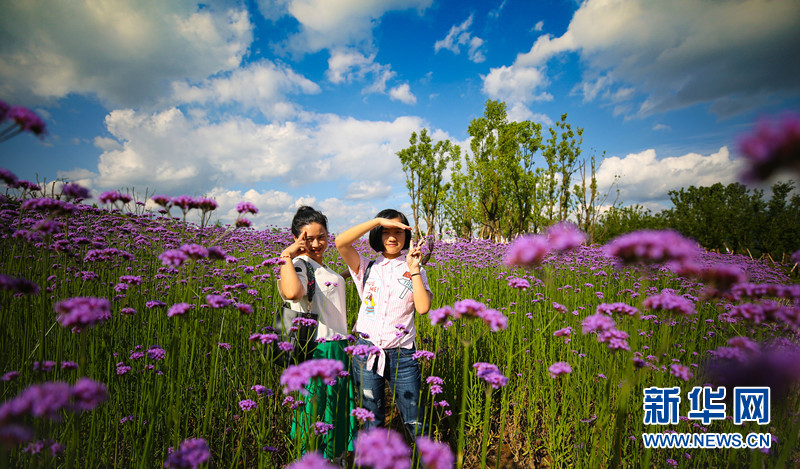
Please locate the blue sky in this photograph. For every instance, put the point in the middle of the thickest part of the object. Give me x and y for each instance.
(307, 101)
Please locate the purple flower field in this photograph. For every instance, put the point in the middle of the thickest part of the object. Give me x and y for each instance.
(133, 338)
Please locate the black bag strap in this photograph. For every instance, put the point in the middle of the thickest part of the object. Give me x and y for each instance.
(312, 281)
(366, 274)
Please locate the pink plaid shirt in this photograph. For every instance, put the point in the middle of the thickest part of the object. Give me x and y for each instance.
(387, 300)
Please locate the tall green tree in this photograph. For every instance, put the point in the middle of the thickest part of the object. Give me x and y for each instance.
(620, 220)
(520, 141)
(502, 174)
(781, 223)
(589, 199)
(487, 167)
(718, 217)
(459, 207)
(424, 163)
(561, 153)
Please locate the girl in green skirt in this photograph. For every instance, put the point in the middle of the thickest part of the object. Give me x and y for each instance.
(325, 404)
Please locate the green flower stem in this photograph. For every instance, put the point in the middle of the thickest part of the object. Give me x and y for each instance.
(462, 413)
(486, 420)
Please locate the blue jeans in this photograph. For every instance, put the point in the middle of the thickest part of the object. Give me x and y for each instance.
(402, 373)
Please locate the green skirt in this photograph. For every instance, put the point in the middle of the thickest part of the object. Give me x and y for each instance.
(331, 404)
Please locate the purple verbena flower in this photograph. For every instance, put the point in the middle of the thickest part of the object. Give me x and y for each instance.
(491, 374)
(680, 371)
(296, 377)
(162, 200)
(207, 205)
(248, 405)
(185, 202)
(439, 315)
(565, 332)
(88, 394)
(173, 257)
(619, 308)
(519, 283)
(362, 350)
(527, 251)
(217, 301)
(565, 236)
(382, 448)
(435, 455)
(670, 302)
(363, 415)
(27, 120)
(75, 191)
(83, 311)
(11, 375)
(322, 428)
(246, 207)
(495, 319)
(156, 353)
(18, 284)
(651, 246)
(772, 146)
(559, 368)
(311, 460)
(191, 454)
(45, 204)
(9, 178)
(195, 251)
(423, 354)
(597, 322)
(615, 338)
(110, 197)
(178, 309)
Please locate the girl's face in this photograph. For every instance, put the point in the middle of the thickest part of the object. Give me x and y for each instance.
(316, 240)
(393, 240)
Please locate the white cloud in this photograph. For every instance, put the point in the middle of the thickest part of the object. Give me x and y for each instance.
(343, 215)
(516, 85)
(350, 65)
(402, 93)
(519, 112)
(495, 14)
(261, 85)
(539, 26)
(663, 127)
(122, 52)
(273, 9)
(171, 151)
(346, 65)
(362, 149)
(733, 55)
(175, 152)
(368, 190)
(643, 177)
(327, 24)
(459, 36)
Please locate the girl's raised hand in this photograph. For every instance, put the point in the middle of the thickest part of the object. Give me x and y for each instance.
(297, 248)
(388, 223)
(414, 255)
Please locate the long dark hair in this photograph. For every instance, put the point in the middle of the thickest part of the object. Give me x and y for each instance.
(376, 234)
(305, 216)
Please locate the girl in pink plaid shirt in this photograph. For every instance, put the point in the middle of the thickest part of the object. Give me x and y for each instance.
(395, 286)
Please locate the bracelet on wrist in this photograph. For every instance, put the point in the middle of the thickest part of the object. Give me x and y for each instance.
(415, 274)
